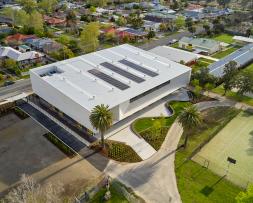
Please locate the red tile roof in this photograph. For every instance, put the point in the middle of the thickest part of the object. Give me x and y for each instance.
(19, 37)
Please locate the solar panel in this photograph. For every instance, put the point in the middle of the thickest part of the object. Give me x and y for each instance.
(53, 127)
(122, 72)
(138, 68)
(108, 79)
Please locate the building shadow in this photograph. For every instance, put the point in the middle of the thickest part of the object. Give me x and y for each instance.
(207, 190)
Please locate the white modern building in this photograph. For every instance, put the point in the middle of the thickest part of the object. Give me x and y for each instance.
(126, 78)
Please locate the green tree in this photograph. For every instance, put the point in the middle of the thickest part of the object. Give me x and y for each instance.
(209, 86)
(189, 118)
(192, 29)
(245, 196)
(71, 19)
(229, 75)
(10, 64)
(48, 6)
(158, 124)
(151, 34)
(101, 119)
(36, 22)
(98, 3)
(136, 21)
(244, 82)
(121, 21)
(180, 22)
(28, 5)
(64, 39)
(18, 17)
(1, 76)
(188, 22)
(89, 37)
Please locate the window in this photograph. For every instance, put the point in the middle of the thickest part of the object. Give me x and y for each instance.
(149, 91)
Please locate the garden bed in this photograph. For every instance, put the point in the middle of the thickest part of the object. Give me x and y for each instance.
(118, 151)
(60, 145)
(21, 114)
(155, 137)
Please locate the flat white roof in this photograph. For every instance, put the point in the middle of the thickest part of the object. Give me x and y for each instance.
(77, 79)
(174, 54)
(244, 39)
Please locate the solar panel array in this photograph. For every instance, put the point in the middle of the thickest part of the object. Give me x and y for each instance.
(122, 72)
(108, 79)
(241, 57)
(138, 68)
(53, 127)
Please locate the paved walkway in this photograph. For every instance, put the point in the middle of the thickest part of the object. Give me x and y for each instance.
(138, 144)
(208, 57)
(154, 179)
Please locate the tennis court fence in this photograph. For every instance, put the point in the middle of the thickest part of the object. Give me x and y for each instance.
(231, 172)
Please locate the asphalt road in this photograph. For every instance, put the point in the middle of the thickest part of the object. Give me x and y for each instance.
(165, 40)
(19, 87)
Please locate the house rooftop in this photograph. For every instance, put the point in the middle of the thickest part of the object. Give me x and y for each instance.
(200, 42)
(110, 76)
(174, 54)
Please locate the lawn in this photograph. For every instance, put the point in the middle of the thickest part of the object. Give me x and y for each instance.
(234, 140)
(224, 53)
(233, 95)
(201, 62)
(144, 126)
(194, 181)
(224, 38)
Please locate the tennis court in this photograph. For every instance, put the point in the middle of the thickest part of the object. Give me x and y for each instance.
(235, 140)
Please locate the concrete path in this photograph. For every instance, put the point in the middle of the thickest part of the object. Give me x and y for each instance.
(207, 57)
(138, 144)
(154, 179)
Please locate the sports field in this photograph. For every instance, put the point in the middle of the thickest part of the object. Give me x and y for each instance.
(235, 140)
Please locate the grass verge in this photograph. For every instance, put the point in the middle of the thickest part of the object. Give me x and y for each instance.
(224, 53)
(198, 183)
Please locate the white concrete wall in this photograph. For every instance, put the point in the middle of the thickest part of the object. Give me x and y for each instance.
(60, 101)
(129, 108)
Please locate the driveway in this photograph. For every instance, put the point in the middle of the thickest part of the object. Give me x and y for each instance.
(24, 149)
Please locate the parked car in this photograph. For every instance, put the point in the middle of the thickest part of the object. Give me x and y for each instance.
(9, 82)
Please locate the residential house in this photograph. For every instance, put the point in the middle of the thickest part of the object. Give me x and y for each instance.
(18, 39)
(200, 45)
(194, 15)
(151, 26)
(160, 17)
(44, 44)
(22, 58)
(194, 7)
(54, 21)
(130, 33)
(24, 48)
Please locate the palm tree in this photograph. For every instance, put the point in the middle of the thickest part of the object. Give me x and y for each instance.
(189, 118)
(101, 120)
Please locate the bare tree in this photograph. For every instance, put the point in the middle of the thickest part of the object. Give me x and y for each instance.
(31, 192)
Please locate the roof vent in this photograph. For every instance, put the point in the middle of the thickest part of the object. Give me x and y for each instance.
(92, 97)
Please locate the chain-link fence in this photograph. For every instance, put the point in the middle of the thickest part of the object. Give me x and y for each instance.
(232, 172)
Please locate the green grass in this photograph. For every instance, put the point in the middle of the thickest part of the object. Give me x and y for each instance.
(195, 183)
(233, 95)
(224, 53)
(118, 151)
(144, 126)
(116, 197)
(206, 60)
(249, 68)
(200, 64)
(224, 38)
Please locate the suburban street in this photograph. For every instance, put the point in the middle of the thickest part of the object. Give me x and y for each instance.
(165, 40)
(19, 87)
